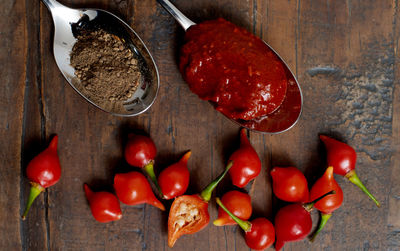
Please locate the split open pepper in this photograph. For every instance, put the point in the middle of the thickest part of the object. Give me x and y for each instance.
(189, 213)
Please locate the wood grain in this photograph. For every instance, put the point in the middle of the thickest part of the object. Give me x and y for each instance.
(12, 92)
(344, 54)
(355, 106)
(393, 218)
(22, 133)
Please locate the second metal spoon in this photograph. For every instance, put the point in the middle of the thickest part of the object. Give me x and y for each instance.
(290, 110)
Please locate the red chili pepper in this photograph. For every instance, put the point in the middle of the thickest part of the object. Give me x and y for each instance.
(189, 213)
(174, 180)
(43, 171)
(104, 205)
(293, 222)
(133, 188)
(289, 184)
(237, 203)
(259, 233)
(247, 164)
(342, 158)
(140, 151)
(328, 204)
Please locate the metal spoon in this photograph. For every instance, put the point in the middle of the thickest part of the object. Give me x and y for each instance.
(68, 22)
(286, 116)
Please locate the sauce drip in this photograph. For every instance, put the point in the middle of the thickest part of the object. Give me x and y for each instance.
(234, 69)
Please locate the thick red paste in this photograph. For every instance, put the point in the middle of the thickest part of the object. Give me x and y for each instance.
(232, 68)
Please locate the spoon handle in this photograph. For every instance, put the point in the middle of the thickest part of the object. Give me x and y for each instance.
(179, 17)
(52, 4)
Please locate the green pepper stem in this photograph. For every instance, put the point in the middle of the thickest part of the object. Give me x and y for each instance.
(352, 176)
(149, 169)
(309, 206)
(323, 221)
(36, 189)
(245, 225)
(206, 193)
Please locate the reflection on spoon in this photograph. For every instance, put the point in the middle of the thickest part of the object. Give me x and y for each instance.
(240, 74)
(69, 22)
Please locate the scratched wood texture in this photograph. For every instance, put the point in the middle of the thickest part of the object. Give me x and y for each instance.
(344, 54)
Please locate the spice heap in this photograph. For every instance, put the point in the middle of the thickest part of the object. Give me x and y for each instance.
(107, 69)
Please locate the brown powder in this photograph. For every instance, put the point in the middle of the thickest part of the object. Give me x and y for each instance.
(107, 69)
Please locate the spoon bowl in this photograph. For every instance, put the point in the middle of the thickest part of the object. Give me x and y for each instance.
(68, 24)
(288, 113)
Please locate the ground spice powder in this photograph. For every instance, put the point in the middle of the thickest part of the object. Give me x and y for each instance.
(107, 69)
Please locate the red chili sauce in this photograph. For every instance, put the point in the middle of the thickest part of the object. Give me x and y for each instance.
(232, 68)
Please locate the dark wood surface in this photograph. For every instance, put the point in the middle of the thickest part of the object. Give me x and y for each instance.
(344, 53)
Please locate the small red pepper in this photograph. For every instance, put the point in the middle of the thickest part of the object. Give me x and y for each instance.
(133, 188)
(328, 204)
(246, 163)
(259, 233)
(289, 184)
(43, 171)
(237, 203)
(189, 213)
(293, 222)
(174, 180)
(140, 151)
(104, 205)
(342, 158)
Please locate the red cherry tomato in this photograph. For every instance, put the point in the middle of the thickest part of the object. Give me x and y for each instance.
(292, 223)
(140, 150)
(45, 168)
(44, 171)
(174, 180)
(133, 188)
(104, 205)
(289, 184)
(343, 158)
(323, 185)
(237, 203)
(331, 202)
(246, 163)
(259, 233)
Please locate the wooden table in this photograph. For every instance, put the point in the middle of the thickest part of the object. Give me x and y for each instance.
(344, 53)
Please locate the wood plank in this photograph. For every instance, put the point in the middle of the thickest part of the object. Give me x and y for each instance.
(226, 138)
(185, 129)
(340, 52)
(273, 25)
(393, 217)
(148, 25)
(90, 149)
(12, 74)
(21, 134)
(279, 26)
(35, 228)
